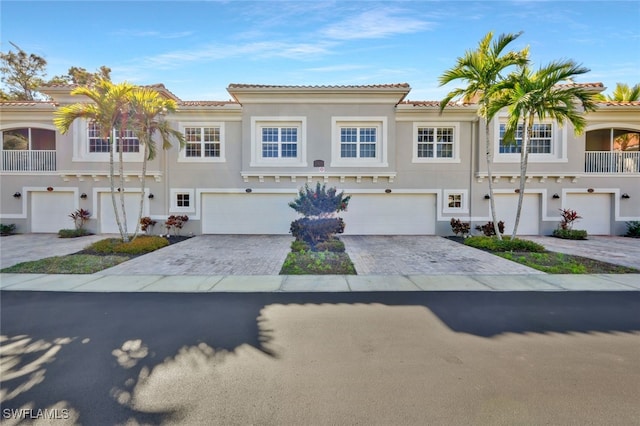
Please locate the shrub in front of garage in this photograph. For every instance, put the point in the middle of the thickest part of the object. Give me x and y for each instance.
(80, 218)
(565, 228)
(317, 249)
(633, 229)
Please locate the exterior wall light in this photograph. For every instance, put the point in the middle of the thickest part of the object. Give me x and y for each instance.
(590, 190)
(83, 196)
(626, 196)
(50, 188)
(487, 196)
(151, 196)
(388, 191)
(248, 190)
(556, 196)
(17, 195)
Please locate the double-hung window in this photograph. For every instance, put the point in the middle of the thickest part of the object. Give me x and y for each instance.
(125, 140)
(204, 142)
(436, 142)
(359, 141)
(278, 141)
(540, 142)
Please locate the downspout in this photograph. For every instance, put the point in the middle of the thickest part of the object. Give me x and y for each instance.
(472, 161)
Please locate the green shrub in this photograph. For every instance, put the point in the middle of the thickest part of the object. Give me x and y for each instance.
(570, 234)
(317, 263)
(7, 229)
(299, 246)
(333, 245)
(459, 227)
(141, 245)
(506, 244)
(633, 229)
(313, 231)
(73, 233)
(489, 230)
(80, 218)
(319, 202)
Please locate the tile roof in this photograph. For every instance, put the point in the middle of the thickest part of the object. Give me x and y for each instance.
(207, 103)
(435, 104)
(27, 103)
(619, 103)
(366, 86)
(587, 85)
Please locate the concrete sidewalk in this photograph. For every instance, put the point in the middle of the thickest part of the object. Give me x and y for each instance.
(317, 283)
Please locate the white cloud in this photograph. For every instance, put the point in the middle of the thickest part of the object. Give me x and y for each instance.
(377, 23)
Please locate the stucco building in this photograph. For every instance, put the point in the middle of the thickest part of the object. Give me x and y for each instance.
(409, 168)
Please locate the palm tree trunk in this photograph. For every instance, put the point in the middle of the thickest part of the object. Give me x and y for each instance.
(142, 187)
(524, 159)
(492, 203)
(113, 186)
(125, 235)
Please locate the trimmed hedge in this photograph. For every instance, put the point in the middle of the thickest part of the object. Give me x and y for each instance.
(141, 245)
(506, 244)
(570, 234)
(73, 233)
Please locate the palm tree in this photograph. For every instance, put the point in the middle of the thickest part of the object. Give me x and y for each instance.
(482, 70)
(148, 109)
(622, 93)
(532, 97)
(109, 110)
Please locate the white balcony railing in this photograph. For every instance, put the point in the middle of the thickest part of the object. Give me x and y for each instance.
(612, 162)
(29, 161)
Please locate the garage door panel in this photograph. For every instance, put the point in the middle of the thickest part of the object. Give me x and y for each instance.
(108, 223)
(50, 211)
(595, 210)
(506, 208)
(370, 214)
(247, 213)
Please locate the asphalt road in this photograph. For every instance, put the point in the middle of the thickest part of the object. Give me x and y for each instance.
(321, 359)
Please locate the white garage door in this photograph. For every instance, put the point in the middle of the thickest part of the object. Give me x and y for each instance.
(506, 207)
(247, 213)
(391, 214)
(50, 211)
(595, 210)
(108, 223)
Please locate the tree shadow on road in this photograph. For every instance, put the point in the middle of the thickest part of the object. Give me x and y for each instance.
(88, 351)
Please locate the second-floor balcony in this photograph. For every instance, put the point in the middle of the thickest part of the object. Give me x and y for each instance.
(612, 162)
(29, 160)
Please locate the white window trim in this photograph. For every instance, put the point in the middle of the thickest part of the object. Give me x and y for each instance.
(81, 152)
(464, 201)
(182, 157)
(558, 145)
(174, 200)
(380, 160)
(256, 141)
(456, 142)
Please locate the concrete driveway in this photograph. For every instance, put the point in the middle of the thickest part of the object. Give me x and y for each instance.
(618, 250)
(264, 254)
(423, 255)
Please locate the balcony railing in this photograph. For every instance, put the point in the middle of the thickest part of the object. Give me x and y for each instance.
(29, 161)
(612, 162)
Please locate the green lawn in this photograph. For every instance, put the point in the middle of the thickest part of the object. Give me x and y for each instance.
(71, 264)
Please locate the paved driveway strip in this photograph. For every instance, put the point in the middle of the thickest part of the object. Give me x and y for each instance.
(618, 250)
(417, 255)
(212, 255)
(19, 248)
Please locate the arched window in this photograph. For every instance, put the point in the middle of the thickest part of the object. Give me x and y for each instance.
(28, 149)
(613, 139)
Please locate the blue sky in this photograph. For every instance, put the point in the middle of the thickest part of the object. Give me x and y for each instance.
(198, 48)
